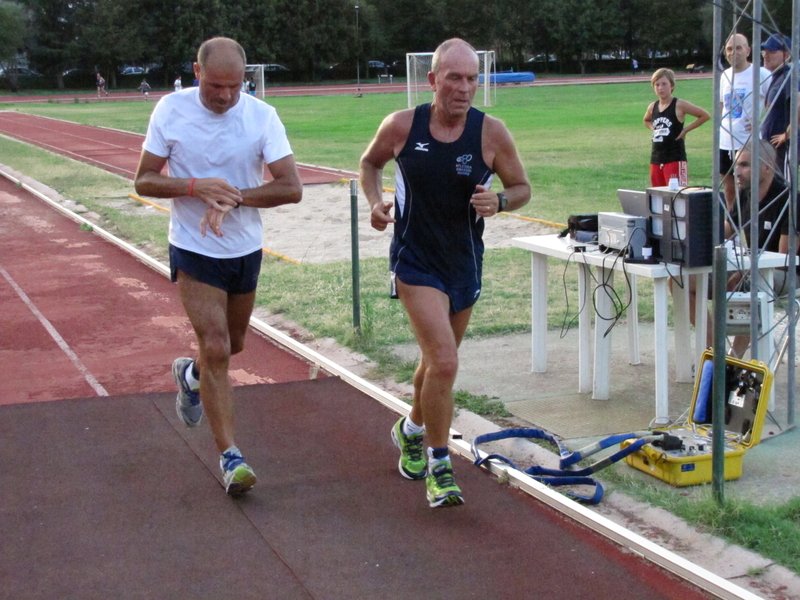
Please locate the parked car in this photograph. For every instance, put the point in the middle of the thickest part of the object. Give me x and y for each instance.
(376, 64)
(275, 68)
(131, 71)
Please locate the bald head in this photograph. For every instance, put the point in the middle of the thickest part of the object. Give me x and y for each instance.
(445, 48)
(220, 71)
(737, 51)
(223, 53)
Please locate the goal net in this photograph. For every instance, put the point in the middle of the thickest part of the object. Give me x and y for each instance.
(418, 65)
(256, 73)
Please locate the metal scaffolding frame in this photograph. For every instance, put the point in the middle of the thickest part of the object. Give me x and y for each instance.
(742, 16)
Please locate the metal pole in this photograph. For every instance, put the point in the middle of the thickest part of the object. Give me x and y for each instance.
(755, 170)
(716, 226)
(718, 380)
(358, 51)
(354, 245)
(792, 169)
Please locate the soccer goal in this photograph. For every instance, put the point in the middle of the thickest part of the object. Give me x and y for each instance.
(418, 65)
(257, 73)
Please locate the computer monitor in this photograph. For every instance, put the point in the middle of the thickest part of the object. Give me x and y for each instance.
(680, 225)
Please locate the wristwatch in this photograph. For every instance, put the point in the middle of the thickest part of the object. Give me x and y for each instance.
(502, 202)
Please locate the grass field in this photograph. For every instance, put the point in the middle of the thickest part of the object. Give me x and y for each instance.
(579, 144)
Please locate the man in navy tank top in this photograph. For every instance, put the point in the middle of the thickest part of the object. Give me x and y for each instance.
(446, 154)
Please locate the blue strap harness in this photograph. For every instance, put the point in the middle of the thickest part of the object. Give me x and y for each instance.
(567, 474)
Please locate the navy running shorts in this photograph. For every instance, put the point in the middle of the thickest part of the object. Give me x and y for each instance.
(232, 275)
(461, 298)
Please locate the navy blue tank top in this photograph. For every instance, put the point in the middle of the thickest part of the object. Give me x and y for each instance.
(437, 229)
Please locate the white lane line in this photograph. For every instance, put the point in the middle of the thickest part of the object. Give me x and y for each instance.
(101, 391)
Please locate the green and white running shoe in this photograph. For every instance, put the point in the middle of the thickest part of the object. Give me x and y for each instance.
(412, 464)
(442, 489)
(237, 476)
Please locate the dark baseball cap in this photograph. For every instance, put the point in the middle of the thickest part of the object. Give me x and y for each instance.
(777, 42)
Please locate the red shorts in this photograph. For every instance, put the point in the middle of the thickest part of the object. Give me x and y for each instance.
(660, 174)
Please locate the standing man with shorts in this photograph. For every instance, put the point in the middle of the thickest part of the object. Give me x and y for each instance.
(447, 154)
(736, 97)
(665, 117)
(216, 141)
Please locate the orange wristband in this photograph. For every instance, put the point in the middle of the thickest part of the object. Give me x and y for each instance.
(191, 186)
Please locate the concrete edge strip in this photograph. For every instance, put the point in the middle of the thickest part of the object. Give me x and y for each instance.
(666, 559)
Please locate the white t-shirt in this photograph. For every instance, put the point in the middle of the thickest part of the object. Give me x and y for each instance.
(200, 143)
(736, 96)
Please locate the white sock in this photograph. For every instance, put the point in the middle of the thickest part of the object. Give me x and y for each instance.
(411, 428)
(194, 384)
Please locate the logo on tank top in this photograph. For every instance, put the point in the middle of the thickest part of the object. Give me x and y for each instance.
(661, 127)
(422, 146)
(462, 164)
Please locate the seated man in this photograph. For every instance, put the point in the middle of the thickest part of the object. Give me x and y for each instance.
(773, 219)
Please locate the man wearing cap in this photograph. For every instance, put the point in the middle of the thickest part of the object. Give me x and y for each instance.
(776, 51)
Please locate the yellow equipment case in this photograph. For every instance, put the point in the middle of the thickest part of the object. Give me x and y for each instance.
(683, 457)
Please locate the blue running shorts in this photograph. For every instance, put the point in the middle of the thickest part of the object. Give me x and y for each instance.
(461, 298)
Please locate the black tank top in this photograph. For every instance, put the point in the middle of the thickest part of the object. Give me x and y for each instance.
(666, 127)
(435, 223)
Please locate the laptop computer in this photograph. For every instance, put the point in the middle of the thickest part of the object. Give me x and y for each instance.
(634, 202)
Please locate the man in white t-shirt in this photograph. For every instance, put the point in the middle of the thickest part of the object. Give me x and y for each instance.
(216, 140)
(178, 84)
(736, 100)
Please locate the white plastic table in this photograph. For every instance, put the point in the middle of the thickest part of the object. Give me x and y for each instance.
(596, 378)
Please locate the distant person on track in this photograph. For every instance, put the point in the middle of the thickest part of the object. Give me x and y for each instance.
(144, 87)
(665, 118)
(736, 100)
(216, 141)
(447, 154)
(101, 85)
(178, 84)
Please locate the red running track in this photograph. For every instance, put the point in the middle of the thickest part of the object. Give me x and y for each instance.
(82, 318)
(111, 149)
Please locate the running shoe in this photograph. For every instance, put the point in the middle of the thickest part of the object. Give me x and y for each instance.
(237, 476)
(441, 484)
(412, 464)
(187, 404)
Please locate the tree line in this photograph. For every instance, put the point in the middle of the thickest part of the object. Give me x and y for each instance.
(315, 37)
